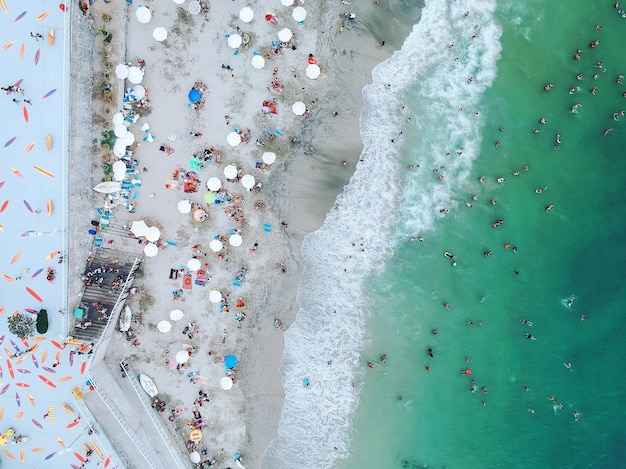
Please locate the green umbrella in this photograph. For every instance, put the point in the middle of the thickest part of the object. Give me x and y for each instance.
(209, 197)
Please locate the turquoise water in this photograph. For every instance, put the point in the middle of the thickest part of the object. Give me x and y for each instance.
(574, 251)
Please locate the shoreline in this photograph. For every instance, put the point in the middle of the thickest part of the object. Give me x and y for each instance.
(293, 199)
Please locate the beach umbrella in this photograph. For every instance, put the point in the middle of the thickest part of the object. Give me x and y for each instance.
(182, 356)
(194, 457)
(226, 383)
(139, 228)
(230, 171)
(313, 71)
(194, 95)
(176, 315)
(195, 435)
(120, 130)
(247, 181)
(269, 157)
(153, 234)
(128, 139)
(286, 3)
(119, 170)
(137, 93)
(215, 245)
(143, 14)
(159, 33)
(119, 149)
(246, 14)
(150, 250)
(121, 71)
(164, 326)
(233, 139)
(194, 8)
(234, 40)
(194, 264)
(230, 361)
(108, 187)
(235, 240)
(298, 108)
(215, 296)
(179, 2)
(135, 75)
(257, 61)
(117, 119)
(299, 14)
(213, 184)
(285, 34)
(184, 206)
(209, 197)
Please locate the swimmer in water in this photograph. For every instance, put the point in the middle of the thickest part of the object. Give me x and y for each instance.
(383, 359)
(370, 365)
(430, 353)
(549, 207)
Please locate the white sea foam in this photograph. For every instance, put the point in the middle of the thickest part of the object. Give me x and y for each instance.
(358, 233)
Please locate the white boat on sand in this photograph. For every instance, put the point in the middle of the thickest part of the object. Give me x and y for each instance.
(148, 385)
(125, 319)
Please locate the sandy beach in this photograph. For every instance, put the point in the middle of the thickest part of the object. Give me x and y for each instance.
(316, 155)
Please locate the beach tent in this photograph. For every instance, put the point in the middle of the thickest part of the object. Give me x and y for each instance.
(215, 296)
(230, 361)
(285, 34)
(194, 95)
(246, 14)
(213, 184)
(313, 71)
(150, 250)
(159, 33)
(299, 14)
(215, 245)
(247, 181)
(164, 326)
(298, 108)
(257, 61)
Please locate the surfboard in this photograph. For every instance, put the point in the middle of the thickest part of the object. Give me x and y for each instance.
(47, 381)
(48, 369)
(49, 142)
(10, 368)
(83, 367)
(96, 448)
(148, 385)
(17, 399)
(37, 56)
(125, 319)
(51, 37)
(22, 454)
(44, 356)
(49, 207)
(43, 171)
(61, 442)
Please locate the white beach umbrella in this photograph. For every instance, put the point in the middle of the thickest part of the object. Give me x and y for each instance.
(164, 326)
(108, 187)
(179, 2)
(313, 71)
(286, 2)
(230, 171)
(226, 383)
(182, 356)
(194, 7)
(119, 170)
(215, 296)
(285, 34)
(121, 71)
(247, 181)
(194, 264)
(153, 234)
(117, 119)
(246, 14)
(176, 315)
(150, 250)
(135, 75)
(139, 228)
(258, 61)
(184, 206)
(235, 240)
(159, 33)
(234, 40)
(213, 184)
(298, 108)
(216, 245)
(194, 456)
(128, 139)
(269, 157)
(119, 149)
(233, 139)
(120, 130)
(139, 92)
(299, 14)
(143, 14)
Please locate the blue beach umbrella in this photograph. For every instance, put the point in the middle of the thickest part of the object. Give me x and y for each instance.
(194, 95)
(230, 361)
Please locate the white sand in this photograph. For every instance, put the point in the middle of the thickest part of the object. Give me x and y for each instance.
(299, 188)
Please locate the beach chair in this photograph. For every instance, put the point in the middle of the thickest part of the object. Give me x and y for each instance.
(278, 132)
(135, 194)
(267, 228)
(98, 242)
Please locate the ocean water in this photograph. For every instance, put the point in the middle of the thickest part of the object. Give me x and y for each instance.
(430, 125)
